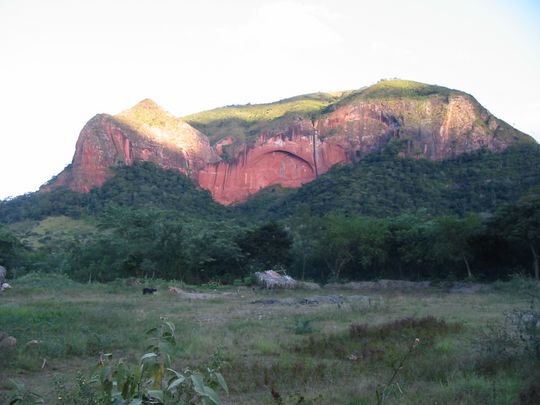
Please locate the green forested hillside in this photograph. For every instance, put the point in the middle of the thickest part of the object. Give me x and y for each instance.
(384, 216)
(142, 185)
(385, 185)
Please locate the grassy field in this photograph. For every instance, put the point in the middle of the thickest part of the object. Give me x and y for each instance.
(466, 352)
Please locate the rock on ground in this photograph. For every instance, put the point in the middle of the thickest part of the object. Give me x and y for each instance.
(7, 341)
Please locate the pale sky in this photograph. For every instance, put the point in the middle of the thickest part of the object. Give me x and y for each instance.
(63, 61)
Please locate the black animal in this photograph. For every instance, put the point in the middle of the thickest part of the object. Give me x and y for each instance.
(148, 290)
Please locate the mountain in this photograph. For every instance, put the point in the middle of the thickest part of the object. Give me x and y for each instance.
(143, 133)
(235, 151)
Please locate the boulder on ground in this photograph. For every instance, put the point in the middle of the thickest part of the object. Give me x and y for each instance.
(271, 279)
(4, 286)
(7, 341)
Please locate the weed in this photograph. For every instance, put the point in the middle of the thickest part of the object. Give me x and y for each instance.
(21, 394)
(530, 395)
(302, 327)
(151, 381)
(384, 391)
(292, 399)
(81, 394)
(426, 326)
(516, 337)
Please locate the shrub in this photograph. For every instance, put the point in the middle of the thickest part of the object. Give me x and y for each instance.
(302, 327)
(516, 337)
(150, 381)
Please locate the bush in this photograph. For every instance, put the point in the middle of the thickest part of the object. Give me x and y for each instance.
(150, 381)
(516, 338)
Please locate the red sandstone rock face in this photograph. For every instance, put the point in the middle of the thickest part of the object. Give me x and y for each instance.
(105, 142)
(290, 158)
(435, 128)
(290, 151)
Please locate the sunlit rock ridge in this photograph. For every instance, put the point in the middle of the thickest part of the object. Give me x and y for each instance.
(235, 151)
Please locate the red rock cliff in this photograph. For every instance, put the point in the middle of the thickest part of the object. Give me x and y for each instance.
(291, 150)
(290, 156)
(144, 133)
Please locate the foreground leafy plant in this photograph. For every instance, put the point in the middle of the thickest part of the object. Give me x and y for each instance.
(153, 380)
(22, 395)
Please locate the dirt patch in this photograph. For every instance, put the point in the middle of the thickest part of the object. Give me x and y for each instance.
(316, 300)
(380, 284)
(197, 296)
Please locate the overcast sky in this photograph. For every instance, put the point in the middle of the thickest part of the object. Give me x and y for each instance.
(61, 62)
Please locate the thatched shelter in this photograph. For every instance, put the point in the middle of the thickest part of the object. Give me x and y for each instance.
(272, 279)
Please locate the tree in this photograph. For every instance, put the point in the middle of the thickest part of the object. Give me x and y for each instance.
(267, 246)
(304, 231)
(519, 223)
(12, 251)
(212, 251)
(409, 243)
(452, 237)
(372, 240)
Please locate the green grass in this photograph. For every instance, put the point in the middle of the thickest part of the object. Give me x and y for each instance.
(265, 112)
(329, 364)
(404, 88)
(37, 234)
(242, 122)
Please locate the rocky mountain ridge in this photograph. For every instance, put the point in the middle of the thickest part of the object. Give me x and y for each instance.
(233, 152)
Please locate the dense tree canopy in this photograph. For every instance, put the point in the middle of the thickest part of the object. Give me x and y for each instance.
(383, 217)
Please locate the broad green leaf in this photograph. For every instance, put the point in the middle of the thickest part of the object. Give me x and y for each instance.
(148, 356)
(175, 383)
(158, 394)
(212, 395)
(198, 384)
(170, 325)
(118, 401)
(176, 373)
(222, 382)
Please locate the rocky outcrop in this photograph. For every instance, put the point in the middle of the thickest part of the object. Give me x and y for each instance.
(290, 155)
(294, 148)
(436, 127)
(143, 133)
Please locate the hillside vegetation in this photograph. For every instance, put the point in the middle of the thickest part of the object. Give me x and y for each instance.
(245, 121)
(385, 185)
(384, 216)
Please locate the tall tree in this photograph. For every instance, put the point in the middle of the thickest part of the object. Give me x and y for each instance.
(267, 246)
(452, 237)
(520, 224)
(11, 249)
